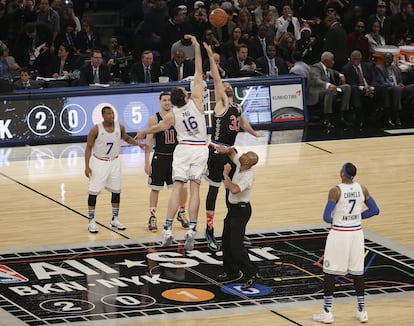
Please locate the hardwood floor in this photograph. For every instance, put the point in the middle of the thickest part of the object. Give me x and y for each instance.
(44, 203)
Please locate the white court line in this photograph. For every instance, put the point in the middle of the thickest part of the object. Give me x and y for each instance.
(399, 131)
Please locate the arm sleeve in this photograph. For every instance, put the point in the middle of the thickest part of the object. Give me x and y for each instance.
(330, 206)
(372, 208)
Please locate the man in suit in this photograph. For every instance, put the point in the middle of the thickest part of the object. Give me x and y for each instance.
(270, 64)
(258, 44)
(25, 82)
(327, 84)
(241, 65)
(365, 87)
(390, 75)
(145, 70)
(179, 68)
(336, 41)
(94, 72)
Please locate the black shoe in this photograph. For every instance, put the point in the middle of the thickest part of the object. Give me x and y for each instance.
(328, 124)
(389, 123)
(251, 281)
(345, 123)
(398, 122)
(224, 277)
(211, 240)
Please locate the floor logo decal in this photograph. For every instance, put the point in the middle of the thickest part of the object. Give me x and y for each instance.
(133, 280)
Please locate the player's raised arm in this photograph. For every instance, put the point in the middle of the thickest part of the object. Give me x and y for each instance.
(198, 85)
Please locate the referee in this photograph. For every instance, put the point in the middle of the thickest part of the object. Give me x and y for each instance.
(235, 256)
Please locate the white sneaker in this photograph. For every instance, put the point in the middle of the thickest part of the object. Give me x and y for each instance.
(92, 228)
(168, 238)
(362, 316)
(324, 317)
(189, 240)
(116, 224)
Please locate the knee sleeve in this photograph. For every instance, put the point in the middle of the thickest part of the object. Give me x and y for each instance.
(211, 198)
(359, 284)
(329, 284)
(115, 198)
(92, 200)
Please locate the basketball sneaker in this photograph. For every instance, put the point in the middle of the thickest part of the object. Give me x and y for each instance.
(183, 219)
(152, 224)
(324, 317)
(116, 224)
(247, 242)
(362, 316)
(167, 237)
(251, 281)
(211, 240)
(189, 240)
(92, 228)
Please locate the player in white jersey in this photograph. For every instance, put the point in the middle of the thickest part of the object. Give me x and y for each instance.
(191, 154)
(102, 164)
(344, 249)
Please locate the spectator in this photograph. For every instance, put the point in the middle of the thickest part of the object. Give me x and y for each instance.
(224, 34)
(383, 19)
(185, 46)
(11, 61)
(270, 22)
(390, 75)
(31, 48)
(351, 17)
(366, 92)
(299, 67)
(242, 64)
(6, 73)
(247, 25)
(258, 11)
(309, 45)
(48, 16)
(69, 14)
(179, 67)
(257, 45)
(270, 64)
(139, 74)
(211, 39)
(199, 19)
(220, 67)
(358, 41)
(88, 39)
(94, 72)
(154, 23)
(67, 35)
(63, 64)
(336, 41)
(324, 85)
(285, 48)
(174, 30)
(24, 13)
(25, 82)
(4, 23)
(402, 24)
(229, 48)
(375, 39)
(287, 23)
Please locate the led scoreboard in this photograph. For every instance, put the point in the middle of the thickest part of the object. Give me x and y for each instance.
(58, 115)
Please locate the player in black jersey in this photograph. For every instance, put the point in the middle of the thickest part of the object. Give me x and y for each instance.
(159, 171)
(227, 121)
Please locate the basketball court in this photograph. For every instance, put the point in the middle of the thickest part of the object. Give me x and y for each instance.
(52, 271)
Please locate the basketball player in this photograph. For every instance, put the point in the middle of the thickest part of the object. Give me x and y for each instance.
(235, 255)
(103, 166)
(227, 121)
(344, 249)
(191, 154)
(159, 171)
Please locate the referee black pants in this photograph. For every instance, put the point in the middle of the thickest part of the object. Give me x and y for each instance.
(235, 256)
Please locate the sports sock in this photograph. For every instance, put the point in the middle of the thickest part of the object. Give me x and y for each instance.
(115, 212)
(327, 306)
(193, 224)
(153, 211)
(168, 223)
(181, 208)
(361, 303)
(91, 214)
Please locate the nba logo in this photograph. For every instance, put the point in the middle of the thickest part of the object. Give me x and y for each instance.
(8, 275)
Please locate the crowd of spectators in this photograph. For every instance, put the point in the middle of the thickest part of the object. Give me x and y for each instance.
(52, 39)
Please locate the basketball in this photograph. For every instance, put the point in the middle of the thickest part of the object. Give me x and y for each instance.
(218, 17)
